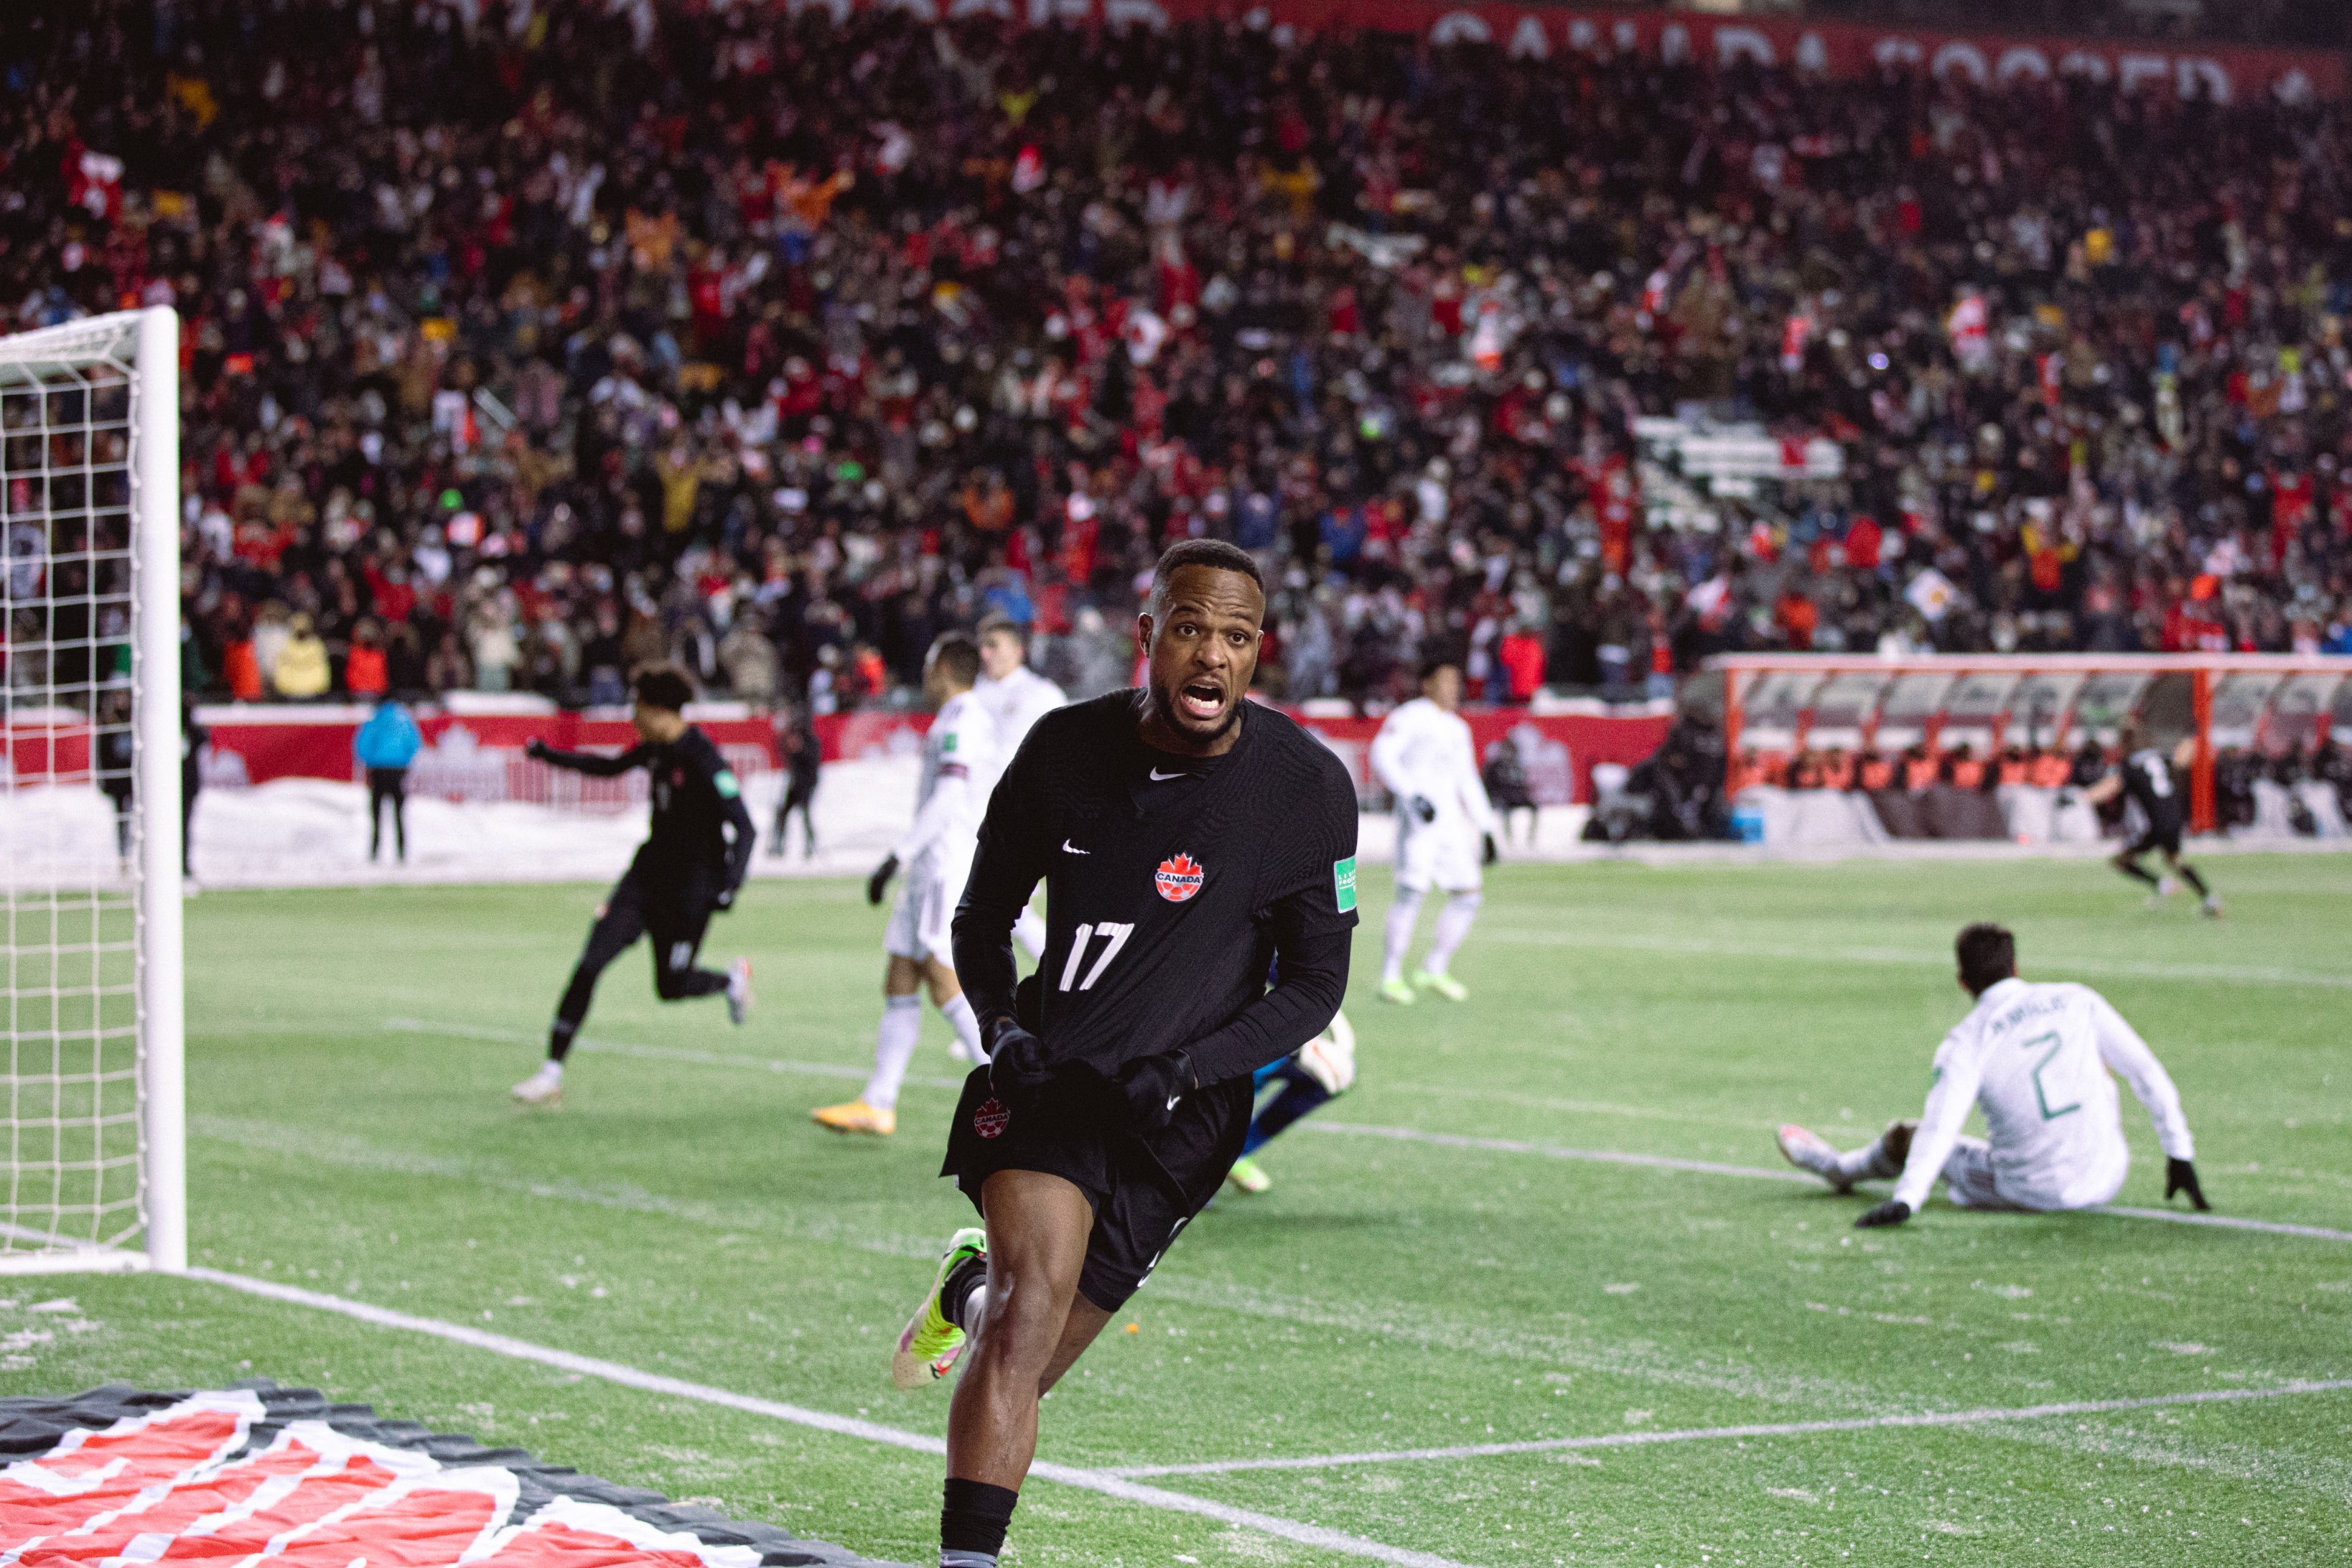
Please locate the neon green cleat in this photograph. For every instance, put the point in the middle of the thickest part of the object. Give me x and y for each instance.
(1446, 985)
(1396, 991)
(929, 1346)
(1249, 1175)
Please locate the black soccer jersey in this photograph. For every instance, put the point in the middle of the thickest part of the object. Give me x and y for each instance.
(696, 800)
(2147, 780)
(1169, 882)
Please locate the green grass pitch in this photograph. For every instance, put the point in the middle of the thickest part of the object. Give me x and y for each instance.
(351, 1052)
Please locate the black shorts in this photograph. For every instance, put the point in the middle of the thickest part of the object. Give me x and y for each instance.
(1143, 1189)
(2158, 834)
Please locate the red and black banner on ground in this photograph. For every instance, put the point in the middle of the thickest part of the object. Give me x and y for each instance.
(115, 1476)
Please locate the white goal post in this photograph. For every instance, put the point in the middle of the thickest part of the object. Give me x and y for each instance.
(92, 1125)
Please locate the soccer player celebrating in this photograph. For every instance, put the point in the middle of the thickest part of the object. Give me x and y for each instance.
(1016, 697)
(1445, 829)
(1186, 838)
(2036, 1056)
(691, 866)
(959, 757)
(2145, 776)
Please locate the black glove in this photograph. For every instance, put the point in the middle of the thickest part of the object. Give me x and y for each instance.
(537, 750)
(1489, 855)
(725, 899)
(1017, 1068)
(2181, 1176)
(1421, 808)
(1894, 1211)
(879, 884)
(1147, 1089)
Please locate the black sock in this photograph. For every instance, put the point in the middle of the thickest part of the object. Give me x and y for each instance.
(972, 1523)
(955, 1295)
(2138, 872)
(559, 1037)
(2188, 875)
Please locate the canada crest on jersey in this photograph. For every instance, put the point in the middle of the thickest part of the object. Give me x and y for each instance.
(1178, 877)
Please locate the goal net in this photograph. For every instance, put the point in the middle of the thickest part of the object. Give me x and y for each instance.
(1830, 748)
(89, 796)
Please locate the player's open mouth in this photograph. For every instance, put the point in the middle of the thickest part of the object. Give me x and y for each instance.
(1201, 699)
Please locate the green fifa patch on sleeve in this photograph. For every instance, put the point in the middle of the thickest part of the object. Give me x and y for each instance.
(723, 781)
(947, 742)
(1343, 883)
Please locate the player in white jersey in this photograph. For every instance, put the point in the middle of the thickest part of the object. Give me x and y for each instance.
(2039, 1057)
(1445, 829)
(960, 761)
(1015, 697)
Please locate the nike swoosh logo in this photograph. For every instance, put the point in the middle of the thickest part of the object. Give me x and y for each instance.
(1070, 848)
(1159, 777)
(1172, 1099)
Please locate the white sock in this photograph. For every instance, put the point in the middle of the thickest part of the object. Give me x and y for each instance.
(1402, 913)
(1453, 924)
(551, 1069)
(893, 1047)
(958, 1012)
(1029, 930)
(1868, 1163)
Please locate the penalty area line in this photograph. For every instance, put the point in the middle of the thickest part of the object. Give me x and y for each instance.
(1761, 1173)
(1716, 1434)
(1104, 1482)
(659, 1053)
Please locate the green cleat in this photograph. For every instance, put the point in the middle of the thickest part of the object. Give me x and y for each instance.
(1249, 1175)
(1446, 985)
(1396, 991)
(929, 1346)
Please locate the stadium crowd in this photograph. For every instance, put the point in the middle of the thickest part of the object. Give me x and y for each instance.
(525, 340)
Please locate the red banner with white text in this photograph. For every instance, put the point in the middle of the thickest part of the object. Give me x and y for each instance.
(2219, 72)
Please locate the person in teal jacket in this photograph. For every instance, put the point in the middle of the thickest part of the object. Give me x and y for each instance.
(384, 746)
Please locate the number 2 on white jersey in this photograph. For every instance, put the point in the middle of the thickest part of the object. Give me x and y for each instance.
(1114, 937)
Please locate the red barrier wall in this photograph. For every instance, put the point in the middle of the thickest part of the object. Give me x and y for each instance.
(317, 743)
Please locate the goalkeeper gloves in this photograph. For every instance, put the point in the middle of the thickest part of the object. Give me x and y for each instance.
(879, 884)
(2181, 1176)
(1330, 1059)
(537, 750)
(1894, 1211)
(1490, 853)
(1422, 808)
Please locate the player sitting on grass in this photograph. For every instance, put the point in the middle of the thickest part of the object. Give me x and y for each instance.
(691, 866)
(1314, 1076)
(2037, 1056)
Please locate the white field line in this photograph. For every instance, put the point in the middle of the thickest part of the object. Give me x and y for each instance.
(1763, 1173)
(1712, 1434)
(1632, 941)
(658, 1053)
(1102, 1481)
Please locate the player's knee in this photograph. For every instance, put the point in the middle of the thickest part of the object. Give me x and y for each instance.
(1026, 1309)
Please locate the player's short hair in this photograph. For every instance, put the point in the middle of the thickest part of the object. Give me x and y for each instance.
(1443, 659)
(998, 621)
(1987, 955)
(957, 654)
(1214, 553)
(662, 686)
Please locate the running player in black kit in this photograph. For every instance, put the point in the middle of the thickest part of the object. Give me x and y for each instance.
(1186, 836)
(2145, 775)
(690, 864)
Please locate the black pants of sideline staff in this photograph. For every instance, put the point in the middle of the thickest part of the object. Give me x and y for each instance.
(388, 786)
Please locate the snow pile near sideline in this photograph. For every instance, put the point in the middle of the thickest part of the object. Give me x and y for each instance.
(294, 833)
